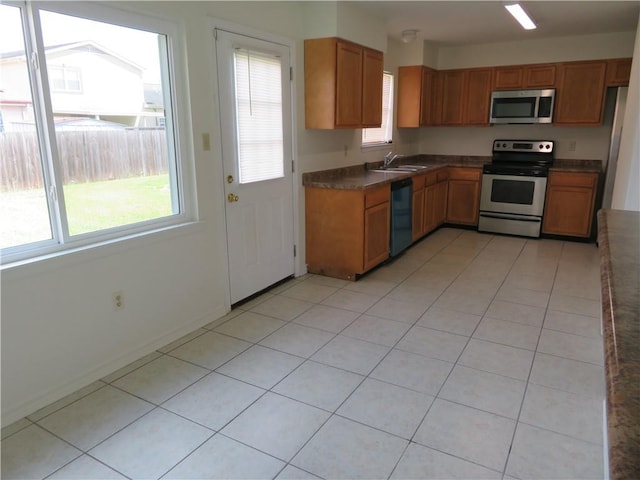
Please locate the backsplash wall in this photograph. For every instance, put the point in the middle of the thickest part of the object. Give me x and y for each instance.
(591, 143)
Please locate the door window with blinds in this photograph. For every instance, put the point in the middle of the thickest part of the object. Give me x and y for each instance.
(258, 103)
(384, 134)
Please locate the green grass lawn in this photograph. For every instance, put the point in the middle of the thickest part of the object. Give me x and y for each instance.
(90, 207)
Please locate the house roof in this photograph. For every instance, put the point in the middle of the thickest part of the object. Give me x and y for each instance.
(85, 45)
(153, 94)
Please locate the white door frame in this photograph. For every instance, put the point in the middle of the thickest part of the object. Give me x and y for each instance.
(298, 237)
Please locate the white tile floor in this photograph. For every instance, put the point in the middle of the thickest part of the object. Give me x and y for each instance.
(470, 356)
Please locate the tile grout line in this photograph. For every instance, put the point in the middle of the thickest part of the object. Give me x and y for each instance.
(526, 386)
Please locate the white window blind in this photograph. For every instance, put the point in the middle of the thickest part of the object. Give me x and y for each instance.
(371, 136)
(258, 79)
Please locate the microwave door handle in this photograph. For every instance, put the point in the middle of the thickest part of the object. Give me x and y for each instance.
(536, 107)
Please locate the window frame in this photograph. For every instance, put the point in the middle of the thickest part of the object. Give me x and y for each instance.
(177, 113)
(389, 117)
(64, 70)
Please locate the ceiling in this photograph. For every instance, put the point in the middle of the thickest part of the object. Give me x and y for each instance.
(480, 21)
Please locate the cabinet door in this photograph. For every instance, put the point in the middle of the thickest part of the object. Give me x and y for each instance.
(463, 201)
(569, 204)
(478, 96)
(451, 96)
(430, 222)
(508, 78)
(371, 88)
(581, 93)
(440, 202)
(417, 206)
(568, 211)
(618, 72)
(426, 96)
(377, 221)
(540, 76)
(348, 85)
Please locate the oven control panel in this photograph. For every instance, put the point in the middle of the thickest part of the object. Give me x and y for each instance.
(531, 146)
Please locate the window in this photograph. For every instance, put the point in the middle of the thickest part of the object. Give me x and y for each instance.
(82, 168)
(259, 116)
(64, 79)
(384, 134)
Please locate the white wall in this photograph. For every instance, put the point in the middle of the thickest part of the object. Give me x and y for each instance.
(59, 330)
(626, 190)
(560, 49)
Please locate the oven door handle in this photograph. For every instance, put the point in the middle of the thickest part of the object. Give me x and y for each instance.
(510, 216)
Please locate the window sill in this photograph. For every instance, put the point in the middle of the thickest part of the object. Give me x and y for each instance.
(69, 256)
(376, 146)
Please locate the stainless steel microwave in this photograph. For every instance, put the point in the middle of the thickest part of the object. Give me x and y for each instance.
(522, 106)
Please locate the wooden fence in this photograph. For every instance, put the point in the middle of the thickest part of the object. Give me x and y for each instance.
(85, 156)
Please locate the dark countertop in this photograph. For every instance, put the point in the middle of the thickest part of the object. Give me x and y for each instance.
(359, 177)
(619, 241)
(579, 166)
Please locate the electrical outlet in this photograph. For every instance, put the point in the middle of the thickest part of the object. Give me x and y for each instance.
(572, 146)
(118, 300)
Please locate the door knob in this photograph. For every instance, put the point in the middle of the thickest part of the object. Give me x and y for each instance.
(232, 197)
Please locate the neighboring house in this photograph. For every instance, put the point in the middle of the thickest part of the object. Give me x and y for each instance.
(86, 80)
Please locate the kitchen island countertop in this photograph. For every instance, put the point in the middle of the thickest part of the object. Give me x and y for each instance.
(619, 241)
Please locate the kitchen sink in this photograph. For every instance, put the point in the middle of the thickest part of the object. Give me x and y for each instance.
(400, 169)
(414, 167)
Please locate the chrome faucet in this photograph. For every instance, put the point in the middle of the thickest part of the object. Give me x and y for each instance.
(389, 159)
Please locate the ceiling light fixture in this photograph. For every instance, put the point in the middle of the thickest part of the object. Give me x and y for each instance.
(520, 15)
(409, 36)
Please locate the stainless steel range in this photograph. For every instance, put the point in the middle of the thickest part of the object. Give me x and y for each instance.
(514, 186)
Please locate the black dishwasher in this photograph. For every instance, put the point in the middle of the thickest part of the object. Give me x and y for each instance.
(401, 219)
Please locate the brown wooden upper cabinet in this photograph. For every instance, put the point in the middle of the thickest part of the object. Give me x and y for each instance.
(415, 96)
(477, 96)
(372, 70)
(580, 93)
(524, 76)
(343, 84)
(449, 97)
(462, 97)
(618, 72)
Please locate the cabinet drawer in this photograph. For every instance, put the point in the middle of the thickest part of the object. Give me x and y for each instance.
(464, 173)
(376, 197)
(573, 179)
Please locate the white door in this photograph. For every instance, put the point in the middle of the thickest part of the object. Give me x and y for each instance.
(255, 108)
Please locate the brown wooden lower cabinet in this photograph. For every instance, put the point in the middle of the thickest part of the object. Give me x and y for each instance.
(436, 200)
(347, 231)
(463, 196)
(569, 204)
(429, 202)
